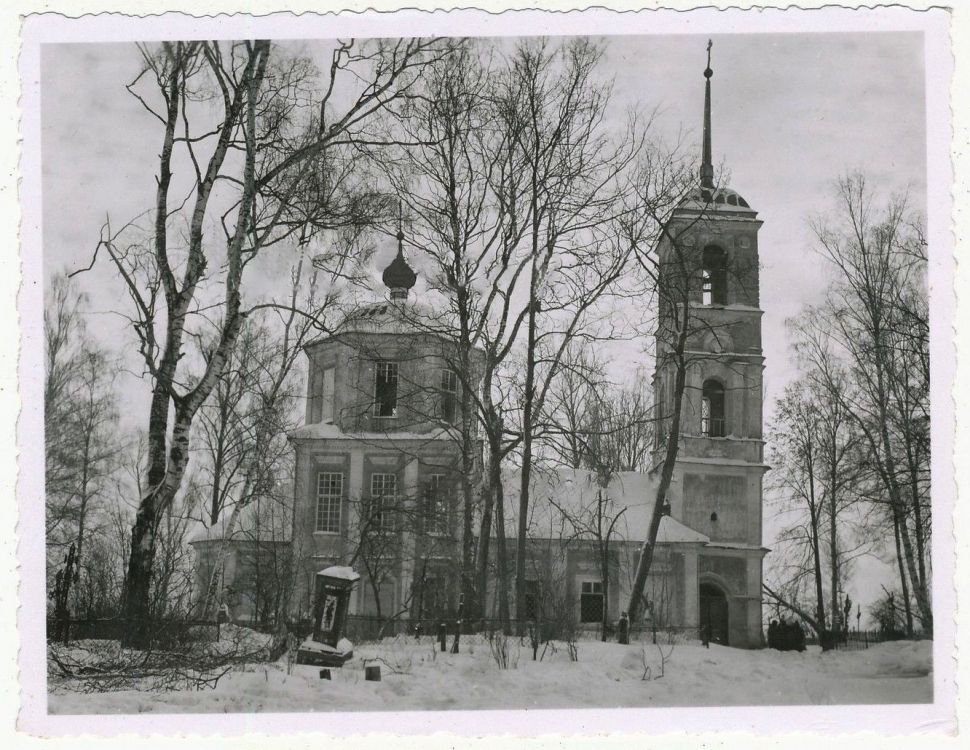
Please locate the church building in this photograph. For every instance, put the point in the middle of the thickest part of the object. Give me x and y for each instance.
(377, 460)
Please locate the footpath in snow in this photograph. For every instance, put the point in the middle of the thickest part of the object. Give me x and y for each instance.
(414, 676)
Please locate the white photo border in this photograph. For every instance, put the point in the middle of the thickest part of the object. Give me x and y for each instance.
(884, 719)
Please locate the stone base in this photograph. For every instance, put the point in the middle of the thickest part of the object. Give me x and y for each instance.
(323, 655)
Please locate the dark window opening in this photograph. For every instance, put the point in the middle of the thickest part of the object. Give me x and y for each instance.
(434, 597)
(448, 396)
(714, 516)
(591, 602)
(714, 277)
(385, 390)
(712, 410)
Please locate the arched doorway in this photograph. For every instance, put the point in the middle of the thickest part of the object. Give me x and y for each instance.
(714, 614)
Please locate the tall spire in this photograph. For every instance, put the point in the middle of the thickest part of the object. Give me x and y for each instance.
(707, 165)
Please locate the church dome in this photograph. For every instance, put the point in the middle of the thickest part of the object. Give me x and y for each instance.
(716, 199)
(399, 277)
(398, 316)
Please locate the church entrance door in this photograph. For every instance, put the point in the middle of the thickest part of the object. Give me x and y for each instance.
(714, 614)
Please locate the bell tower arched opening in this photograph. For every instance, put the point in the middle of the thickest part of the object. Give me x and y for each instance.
(712, 409)
(714, 276)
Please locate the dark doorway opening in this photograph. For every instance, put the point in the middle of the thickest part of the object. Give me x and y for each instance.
(714, 614)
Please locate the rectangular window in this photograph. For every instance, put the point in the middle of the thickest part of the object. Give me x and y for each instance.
(330, 490)
(591, 602)
(326, 395)
(436, 508)
(707, 288)
(448, 396)
(385, 389)
(383, 495)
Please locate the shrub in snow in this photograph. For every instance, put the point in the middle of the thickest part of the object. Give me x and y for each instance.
(500, 647)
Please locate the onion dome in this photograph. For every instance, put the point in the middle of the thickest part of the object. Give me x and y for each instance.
(399, 277)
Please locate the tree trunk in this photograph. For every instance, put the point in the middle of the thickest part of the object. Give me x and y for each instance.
(485, 532)
(667, 471)
(501, 560)
(817, 561)
(214, 590)
(525, 485)
(907, 607)
(834, 558)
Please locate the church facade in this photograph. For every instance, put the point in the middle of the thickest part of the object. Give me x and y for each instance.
(378, 470)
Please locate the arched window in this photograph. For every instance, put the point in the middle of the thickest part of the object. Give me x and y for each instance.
(712, 409)
(714, 276)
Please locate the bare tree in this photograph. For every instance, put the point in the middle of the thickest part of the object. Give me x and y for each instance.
(571, 208)
(82, 443)
(595, 523)
(595, 424)
(255, 407)
(673, 270)
(817, 471)
(444, 185)
(255, 136)
(867, 346)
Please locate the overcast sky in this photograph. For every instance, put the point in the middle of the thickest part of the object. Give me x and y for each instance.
(791, 112)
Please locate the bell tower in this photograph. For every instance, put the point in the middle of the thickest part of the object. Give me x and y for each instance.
(709, 293)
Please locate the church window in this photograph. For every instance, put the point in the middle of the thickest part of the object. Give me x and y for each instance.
(591, 602)
(448, 396)
(436, 499)
(330, 489)
(383, 494)
(714, 277)
(712, 409)
(326, 395)
(385, 389)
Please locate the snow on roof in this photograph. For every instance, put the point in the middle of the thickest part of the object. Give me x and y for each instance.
(268, 520)
(561, 495)
(737, 545)
(340, 571)
(330, 431)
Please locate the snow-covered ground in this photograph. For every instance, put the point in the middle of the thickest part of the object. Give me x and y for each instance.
(606, 675)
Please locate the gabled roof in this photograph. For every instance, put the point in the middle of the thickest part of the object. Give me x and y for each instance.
(560, 495)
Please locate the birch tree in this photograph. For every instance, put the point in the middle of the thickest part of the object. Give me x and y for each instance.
(262, 154)
(867, 345)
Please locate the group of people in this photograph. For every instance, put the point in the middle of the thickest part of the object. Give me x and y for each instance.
(786, 636)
